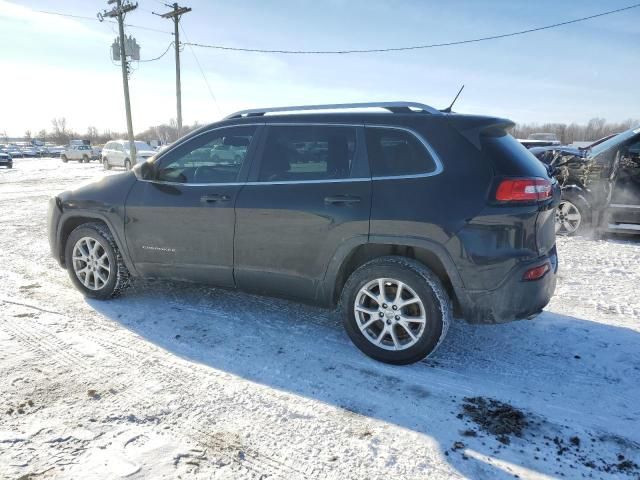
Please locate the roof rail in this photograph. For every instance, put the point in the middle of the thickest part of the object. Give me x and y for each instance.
(394, 107)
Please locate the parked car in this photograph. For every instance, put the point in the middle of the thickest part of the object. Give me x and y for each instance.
(600, 186)
(6, 160)
(55, 150)
(14, 151)
(540, 140)
(116, 154)
(410, 214)
(81, 153)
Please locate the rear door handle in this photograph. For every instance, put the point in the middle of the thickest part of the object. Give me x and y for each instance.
(341, 200)
(215, 198)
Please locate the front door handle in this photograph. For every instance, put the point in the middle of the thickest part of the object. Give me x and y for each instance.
(341, 200)
(215, 198)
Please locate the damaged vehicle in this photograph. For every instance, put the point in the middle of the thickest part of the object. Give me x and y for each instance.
(402, 216)
(600, 187)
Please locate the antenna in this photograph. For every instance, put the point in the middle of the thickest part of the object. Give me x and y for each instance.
(448, 109)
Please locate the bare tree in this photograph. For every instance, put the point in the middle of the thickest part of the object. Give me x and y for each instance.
(60, 132)
(27, 135)
(594, 129)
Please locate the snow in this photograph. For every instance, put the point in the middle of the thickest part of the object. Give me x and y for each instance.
(177, 380)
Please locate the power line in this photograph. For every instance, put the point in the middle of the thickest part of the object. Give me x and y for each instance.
(413, 47)
(82, 17)
(213, 97)
(159, 57)
(369, 50)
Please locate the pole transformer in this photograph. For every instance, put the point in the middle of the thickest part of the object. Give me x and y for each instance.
(175, 15)
(119, 12)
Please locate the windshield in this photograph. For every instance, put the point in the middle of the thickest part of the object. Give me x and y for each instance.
(613, 142)
(139, 146)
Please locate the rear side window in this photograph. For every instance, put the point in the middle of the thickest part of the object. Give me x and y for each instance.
(394, 152)
(315, 152)
(509, 157)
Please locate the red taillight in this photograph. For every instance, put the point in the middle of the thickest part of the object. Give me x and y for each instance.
(536, 272)
(524, 190)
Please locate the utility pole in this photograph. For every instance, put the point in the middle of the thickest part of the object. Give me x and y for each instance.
(175, 15)
(119, 12)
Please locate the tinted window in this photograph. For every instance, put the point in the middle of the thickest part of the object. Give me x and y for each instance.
(200, 160)
(396, 152)
(295, 153)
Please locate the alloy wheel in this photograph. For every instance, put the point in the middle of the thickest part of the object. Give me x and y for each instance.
(390, 314)
(568, 218)
(91, 263)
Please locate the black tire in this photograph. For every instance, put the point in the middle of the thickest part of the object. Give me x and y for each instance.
(118, 278)
(583, 209)
(85, 159)
(127, 164)
(428, 288)
(64, 158)
(105, 164)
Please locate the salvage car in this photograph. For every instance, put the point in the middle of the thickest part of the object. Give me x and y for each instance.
(600, 188)
(406, 214)
(81, 153)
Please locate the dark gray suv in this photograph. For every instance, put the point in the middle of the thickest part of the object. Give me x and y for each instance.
(401, 217)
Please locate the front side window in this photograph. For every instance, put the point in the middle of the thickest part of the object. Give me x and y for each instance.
(201, 160)
(394, 152)
(302, 153)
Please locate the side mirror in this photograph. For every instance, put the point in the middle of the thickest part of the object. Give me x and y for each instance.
(144, 170)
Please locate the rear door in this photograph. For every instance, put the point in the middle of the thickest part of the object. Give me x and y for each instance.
(625, 198)
(309, 194)
(180, 224)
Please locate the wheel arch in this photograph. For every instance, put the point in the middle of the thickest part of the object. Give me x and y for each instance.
(430, 254)
(70, 222)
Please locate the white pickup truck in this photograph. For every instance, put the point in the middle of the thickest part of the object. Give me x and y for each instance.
(81, 153)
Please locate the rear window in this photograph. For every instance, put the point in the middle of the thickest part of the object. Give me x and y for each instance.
(510, 157)
(394, 152)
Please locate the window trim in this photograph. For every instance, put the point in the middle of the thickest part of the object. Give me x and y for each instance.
(434, 156)
(439, 166)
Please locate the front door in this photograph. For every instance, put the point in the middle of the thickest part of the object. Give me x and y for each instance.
(180, 223)
(309, 194)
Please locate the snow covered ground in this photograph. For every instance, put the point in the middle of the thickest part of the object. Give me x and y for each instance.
(181, 381)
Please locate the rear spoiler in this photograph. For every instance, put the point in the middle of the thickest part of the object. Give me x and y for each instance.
(472, 127)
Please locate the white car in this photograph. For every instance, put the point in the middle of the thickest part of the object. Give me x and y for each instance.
(116, 154)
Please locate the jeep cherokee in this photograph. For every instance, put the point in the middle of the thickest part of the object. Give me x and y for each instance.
(399, 217)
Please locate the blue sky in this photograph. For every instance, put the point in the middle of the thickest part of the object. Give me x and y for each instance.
(55, 66)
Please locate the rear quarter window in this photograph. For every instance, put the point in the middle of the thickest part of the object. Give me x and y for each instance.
(510, 158)
(395, 152)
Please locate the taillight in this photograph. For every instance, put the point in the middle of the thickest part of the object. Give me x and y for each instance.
(524, 190)
(536, 272)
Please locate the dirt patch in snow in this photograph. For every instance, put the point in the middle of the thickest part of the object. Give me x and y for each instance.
(495, 417)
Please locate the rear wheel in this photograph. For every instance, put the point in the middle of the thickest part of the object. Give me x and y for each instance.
(127, 164)
(572, 216)
(94, 263)
(395, 310)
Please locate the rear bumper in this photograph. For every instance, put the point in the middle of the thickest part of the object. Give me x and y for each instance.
(514, 299)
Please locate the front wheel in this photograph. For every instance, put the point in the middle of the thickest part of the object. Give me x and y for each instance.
(105, 164)
(395, 310)
(94, 262)
(64, 158)
(85, 159)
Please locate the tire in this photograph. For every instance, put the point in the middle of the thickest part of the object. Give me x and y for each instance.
(418, 282)
(127, 164)
(105, 164)
(569, 207)
(85, 159)
(64, 158)
(117, 278)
